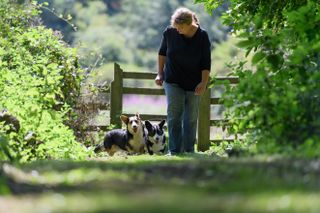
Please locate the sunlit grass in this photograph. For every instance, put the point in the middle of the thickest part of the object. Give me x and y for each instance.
(197, 182)
(163, 199)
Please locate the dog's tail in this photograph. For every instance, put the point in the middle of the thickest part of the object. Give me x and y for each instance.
(99, 148)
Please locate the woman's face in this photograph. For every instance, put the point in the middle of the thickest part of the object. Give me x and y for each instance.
(182, 28)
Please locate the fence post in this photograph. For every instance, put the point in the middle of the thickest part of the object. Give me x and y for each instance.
(116, 93)
(204, 122)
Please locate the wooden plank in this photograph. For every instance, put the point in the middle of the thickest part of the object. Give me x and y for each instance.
(152, 75)
(143, 91)
(218, 122)
(116, 96)
(216, 101)
(95, 106)
(231, 139)
(204, 122)
(97, 128)
(219, 140)
(140, 75)
(231, 79)
(151, 117)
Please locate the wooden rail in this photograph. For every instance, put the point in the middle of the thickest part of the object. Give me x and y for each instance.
(204, 123)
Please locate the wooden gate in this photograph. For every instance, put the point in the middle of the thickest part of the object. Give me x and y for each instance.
(118, 90)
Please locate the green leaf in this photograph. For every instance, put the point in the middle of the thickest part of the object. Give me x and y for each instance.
(52, 66)
(248, 51)
(258, 57)
(275, 60)
(245, 44)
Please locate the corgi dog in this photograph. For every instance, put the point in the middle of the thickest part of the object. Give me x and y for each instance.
(156, 138)
(131, 140)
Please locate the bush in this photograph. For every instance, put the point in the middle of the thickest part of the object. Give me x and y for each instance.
(277, 101)
(39, 83)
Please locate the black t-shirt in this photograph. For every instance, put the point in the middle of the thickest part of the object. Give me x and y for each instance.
(185, 57)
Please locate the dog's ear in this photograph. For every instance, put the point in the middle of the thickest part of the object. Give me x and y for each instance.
(138, 116)
(125, 119)
(162, 123)
(148, 125)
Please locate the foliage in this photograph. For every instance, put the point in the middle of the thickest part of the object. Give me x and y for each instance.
(143, 23)
(224, 53)
(56, 14)
(39, 83)
(99, 40)
(277, 99)
(128, 32)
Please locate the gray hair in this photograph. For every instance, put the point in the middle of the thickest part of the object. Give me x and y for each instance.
(183, 15)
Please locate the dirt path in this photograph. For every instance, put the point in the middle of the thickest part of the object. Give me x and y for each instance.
(161, 184)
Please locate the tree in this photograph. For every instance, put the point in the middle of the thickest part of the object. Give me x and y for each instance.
(39, 84)
(124, 31)
(277, 99)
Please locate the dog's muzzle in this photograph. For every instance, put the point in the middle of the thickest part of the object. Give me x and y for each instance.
(135, 129)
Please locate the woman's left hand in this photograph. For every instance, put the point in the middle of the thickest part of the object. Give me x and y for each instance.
(201, 88)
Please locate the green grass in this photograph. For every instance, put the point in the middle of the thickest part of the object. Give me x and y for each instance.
(187, 183)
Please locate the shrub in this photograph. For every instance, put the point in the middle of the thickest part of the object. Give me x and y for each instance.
(39, 83)
(277, 100)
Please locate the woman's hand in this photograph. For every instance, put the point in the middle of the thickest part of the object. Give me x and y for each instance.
(159, 80)
(201, 88)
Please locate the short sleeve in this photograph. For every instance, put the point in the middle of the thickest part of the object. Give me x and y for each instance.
(206, 52)
(163, 44)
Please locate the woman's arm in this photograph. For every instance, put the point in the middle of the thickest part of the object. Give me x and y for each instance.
(161, 62)
(161, 59)
(202, 86)
(205, 65)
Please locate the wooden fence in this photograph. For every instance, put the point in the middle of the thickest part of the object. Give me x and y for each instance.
(118, 90)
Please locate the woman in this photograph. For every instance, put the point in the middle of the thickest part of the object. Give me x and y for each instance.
(184, 63)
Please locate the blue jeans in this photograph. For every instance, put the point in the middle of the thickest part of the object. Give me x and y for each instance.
(182, 118)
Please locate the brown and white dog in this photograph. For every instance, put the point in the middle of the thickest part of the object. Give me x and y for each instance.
(131, 140)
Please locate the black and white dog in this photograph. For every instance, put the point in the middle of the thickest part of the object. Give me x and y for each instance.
(131, 140)
(156, 138)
